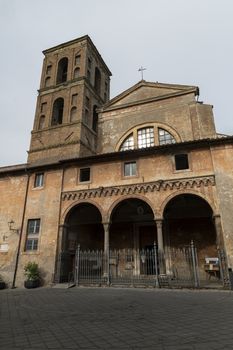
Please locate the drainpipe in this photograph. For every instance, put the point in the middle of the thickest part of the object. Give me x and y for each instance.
(20, 232)
(59, 234)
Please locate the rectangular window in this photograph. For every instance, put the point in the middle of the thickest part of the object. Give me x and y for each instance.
(181, 161)
(48, 69)
(89, 62)
(86, 117)
(77, 59)
(74, 99)
(43, 107)
(88, 75)
(87, 102)
(33, 230)
(39, 180)
(130, 169)
(84, 174)
(32, 244)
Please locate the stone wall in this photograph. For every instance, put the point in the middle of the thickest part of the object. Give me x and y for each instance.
(189, 119)
(223, 166)
(42, 203)
(12, 194)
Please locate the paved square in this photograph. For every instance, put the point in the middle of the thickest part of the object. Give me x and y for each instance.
(108, 318)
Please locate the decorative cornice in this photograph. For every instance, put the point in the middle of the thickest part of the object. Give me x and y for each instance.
(140, 188)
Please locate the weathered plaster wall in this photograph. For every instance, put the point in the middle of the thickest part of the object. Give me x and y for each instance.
(188, 118)
(223, 167)
(159, 167)
(149, 168)
(44, 204)
(12, 194)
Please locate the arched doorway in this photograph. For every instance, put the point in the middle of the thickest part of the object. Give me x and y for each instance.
(187, 218)
(132, 236)
(132, 225)
(83, 227)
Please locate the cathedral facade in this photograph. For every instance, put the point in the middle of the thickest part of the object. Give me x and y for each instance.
(146, 167)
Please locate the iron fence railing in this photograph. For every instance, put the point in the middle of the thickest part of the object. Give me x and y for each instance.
(175, 267)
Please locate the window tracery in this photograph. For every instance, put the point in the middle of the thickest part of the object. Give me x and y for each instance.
(147, 137)
(165, 137)
(128, 143)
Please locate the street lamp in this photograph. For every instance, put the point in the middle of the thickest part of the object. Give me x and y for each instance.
(10, 224)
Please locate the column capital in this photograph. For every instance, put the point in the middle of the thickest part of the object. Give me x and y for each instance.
(218, 229)
(159, 222)
(64, 225)
(216, 216)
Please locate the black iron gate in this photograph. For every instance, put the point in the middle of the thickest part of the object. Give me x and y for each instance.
(176, 268)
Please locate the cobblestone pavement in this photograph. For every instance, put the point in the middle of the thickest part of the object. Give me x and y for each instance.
(121, 318)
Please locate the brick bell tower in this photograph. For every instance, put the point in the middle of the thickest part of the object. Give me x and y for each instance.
(75, 81)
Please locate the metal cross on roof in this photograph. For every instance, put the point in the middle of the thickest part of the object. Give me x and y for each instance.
(141, 69)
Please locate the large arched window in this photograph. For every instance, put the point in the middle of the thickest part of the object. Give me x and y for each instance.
(97, 84)
(57, 115)
(146, 137)
(62, 70)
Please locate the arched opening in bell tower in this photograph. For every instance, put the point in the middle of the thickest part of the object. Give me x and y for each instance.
(62, 70)
(57, 115)
(97, 84)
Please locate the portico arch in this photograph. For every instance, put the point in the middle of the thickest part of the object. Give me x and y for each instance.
(68, 209)
(132, 225)
(84, 226)
(188, 192)
(189, 217)
(131, 196)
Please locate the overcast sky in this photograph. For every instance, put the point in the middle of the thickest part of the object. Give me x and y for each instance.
(178, 41)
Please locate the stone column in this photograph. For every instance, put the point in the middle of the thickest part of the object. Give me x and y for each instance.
(61, 248)
(218, 230)
(106, 237)
(106, 226)
(62, 238)
(159, 225)
(224, 263)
